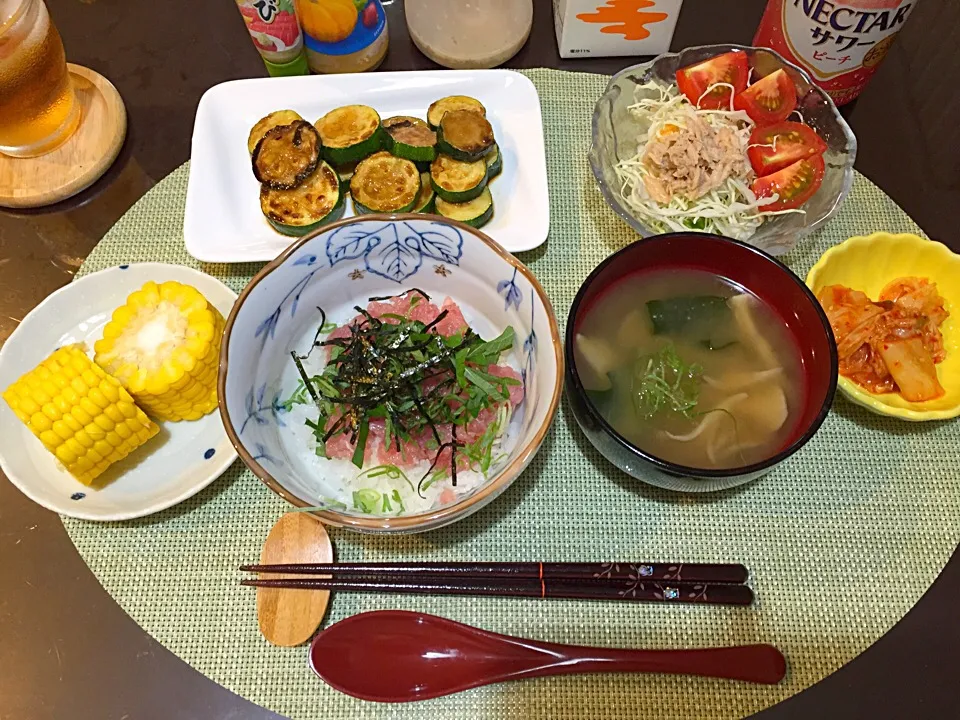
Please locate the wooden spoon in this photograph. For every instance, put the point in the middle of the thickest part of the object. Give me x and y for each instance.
(291, 617)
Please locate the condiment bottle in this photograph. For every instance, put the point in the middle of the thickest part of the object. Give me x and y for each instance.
(840, 43)
(276, 34)
(343, 36)
(469, 33)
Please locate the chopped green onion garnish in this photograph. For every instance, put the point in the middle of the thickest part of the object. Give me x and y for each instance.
(663, 382)
(366, 500)
(398, 501)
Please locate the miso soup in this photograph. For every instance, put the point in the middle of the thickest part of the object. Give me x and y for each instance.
(691, 368)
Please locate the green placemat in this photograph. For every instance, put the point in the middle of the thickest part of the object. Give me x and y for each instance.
(842, 539)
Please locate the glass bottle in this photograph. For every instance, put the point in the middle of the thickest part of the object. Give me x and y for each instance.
(469, 33)
(343, 35)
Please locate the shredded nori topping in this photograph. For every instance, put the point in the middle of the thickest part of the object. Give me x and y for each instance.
(380, 371)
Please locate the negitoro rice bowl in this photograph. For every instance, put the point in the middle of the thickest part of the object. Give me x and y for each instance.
(406, 468)
(364, 439)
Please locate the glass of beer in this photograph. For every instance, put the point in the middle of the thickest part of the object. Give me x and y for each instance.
(38, 107)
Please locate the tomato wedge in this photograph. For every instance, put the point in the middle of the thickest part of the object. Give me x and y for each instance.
(730, 68)
(795, 184)
(774, 147)
(769, 100)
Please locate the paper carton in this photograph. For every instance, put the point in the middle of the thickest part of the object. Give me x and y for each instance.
(596, 28)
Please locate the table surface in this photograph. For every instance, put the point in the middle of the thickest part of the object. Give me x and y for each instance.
(67, 650)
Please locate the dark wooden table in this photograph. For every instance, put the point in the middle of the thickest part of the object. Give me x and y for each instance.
(68, 651)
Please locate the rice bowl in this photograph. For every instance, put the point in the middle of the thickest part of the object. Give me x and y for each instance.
(339, 269)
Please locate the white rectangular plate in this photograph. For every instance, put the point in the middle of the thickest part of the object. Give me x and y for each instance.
(223, 222)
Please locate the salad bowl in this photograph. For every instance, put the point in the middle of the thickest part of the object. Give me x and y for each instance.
(340, 268)
(616, 132)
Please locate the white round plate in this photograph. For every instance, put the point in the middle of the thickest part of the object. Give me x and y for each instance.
(180, 461)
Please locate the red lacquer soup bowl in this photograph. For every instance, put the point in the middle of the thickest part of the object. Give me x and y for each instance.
(751, 269)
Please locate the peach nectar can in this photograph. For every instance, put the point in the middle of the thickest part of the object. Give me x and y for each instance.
(839, 42)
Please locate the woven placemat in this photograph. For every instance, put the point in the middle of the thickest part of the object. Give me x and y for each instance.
(842, 539)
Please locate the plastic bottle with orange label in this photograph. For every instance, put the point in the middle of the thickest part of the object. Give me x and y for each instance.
(343, 36)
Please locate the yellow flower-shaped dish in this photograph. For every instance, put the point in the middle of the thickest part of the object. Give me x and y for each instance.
(869, 263)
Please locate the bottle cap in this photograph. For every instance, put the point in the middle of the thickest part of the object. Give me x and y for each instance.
(297, 66)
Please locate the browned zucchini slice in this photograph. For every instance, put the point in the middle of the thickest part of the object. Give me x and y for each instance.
(437, 109)
(350, 133)
(385, 183)
(286, 155)
(475, 213)
(274, 119)
(494, 162)
(457, 181)
(317, 201)
(465, 135)
(410, 138)
(426, 196)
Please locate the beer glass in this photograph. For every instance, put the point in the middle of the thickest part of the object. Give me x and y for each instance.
(38, 108)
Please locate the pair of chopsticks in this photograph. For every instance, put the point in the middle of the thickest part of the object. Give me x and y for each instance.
(715, 584)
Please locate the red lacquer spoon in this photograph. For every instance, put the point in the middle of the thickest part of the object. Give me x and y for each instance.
(398, 656)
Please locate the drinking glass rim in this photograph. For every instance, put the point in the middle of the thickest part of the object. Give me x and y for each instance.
(18, 12)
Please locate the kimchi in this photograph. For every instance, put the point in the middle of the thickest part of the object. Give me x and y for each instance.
(891, 345)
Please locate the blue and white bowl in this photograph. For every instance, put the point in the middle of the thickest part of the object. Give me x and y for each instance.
(342, 266)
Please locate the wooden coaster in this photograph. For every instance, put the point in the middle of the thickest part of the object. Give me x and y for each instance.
(82, 159)
(291, 617)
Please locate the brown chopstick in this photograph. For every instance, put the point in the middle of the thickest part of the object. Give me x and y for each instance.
(639, 589)
(728, 574)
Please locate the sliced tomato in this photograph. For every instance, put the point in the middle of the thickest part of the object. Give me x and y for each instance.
(730, 68)
(774, 147)
(795, 184)
(769, 100)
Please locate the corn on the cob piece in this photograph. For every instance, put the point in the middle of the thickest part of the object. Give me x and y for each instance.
(163, 345)
(81, 414)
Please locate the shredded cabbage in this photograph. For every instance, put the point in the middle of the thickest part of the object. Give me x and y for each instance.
(732, 209)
